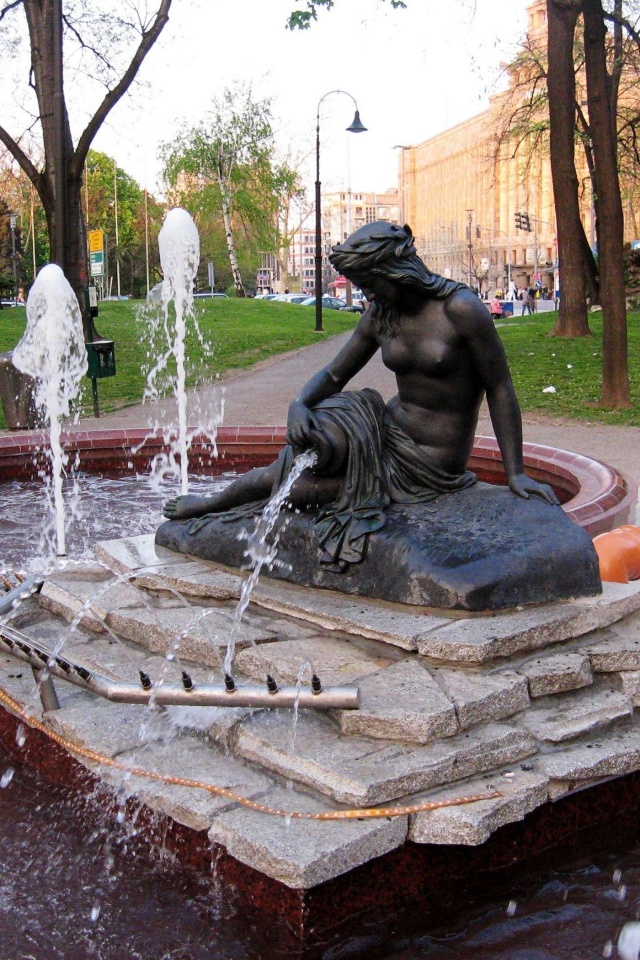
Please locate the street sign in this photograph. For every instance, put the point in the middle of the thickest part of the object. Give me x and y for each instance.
(96, 241)
(212, 278)
(97, 263)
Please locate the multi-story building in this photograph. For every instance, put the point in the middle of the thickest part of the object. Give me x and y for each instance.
(345, 211)
(465, 191)
(301, 262)
(342, 213)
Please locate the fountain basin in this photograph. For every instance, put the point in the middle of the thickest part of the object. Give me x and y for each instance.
(404, 862)
(594, 495)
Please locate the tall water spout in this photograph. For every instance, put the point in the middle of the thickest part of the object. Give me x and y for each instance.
(179, 255)
(52, 351)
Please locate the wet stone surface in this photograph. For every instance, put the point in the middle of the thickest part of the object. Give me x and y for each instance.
(532, 703)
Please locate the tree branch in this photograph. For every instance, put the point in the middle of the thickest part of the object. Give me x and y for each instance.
(623, 22)
(19, 155)
(28, 166)
(10, 6)
(148, 39)
(85, 46)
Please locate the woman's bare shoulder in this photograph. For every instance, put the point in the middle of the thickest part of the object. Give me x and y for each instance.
(468, 313)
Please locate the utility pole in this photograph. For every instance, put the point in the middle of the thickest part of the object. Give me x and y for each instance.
(14, 260)
(32, 221)
(115, 200)
(146, 234)
(60, 155)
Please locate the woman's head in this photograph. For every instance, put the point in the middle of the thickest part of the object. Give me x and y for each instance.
(388, 251)
(381, 257)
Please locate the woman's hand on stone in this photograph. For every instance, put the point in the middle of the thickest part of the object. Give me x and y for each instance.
(301, 426)
(523, 486)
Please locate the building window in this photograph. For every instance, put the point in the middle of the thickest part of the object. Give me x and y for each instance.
(370, 214)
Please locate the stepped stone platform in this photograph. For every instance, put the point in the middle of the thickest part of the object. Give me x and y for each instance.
(533, 703)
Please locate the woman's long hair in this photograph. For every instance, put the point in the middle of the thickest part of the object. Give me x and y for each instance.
(386, 250)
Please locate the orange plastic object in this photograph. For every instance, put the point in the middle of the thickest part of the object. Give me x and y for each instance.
(619, 554)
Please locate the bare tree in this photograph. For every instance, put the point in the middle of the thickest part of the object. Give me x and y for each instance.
(110, 48)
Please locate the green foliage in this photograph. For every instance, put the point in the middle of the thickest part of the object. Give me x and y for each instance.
(302, 19)
(225, 165)
(102, 178)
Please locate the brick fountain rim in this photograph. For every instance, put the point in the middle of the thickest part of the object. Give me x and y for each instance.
(594, 495)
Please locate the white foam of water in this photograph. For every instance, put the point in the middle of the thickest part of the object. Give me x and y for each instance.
(259, 551)
(52, 351)
(629, 942)
(180, 256)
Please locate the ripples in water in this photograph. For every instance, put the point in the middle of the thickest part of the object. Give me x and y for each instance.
(99, 508)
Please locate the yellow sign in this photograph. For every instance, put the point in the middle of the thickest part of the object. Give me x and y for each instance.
(96, 241)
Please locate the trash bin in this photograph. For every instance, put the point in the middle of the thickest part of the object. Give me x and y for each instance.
(101, 359)
(507, 308)
(16, 394)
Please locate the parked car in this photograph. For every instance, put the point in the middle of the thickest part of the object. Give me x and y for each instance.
(207, 295)
(358, 305)
(328, 303)
(6, 302)
(266, 296)
(290, 297)
(121, 297)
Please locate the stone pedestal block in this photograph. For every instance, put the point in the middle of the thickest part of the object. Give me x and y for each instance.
(478, 549)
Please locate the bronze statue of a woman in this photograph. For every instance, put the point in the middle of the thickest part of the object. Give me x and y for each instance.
(441, 343)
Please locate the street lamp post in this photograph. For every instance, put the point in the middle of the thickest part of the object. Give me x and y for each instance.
(115, 203)
(355, 127)
(470, 245)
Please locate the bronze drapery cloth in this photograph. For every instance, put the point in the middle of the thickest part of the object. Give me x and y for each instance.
(384, 465)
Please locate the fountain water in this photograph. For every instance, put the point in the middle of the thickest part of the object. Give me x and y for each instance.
(52, 351)
(259, 551)
(179, 255)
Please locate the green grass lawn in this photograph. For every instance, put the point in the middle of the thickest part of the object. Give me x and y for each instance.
(242, 332)
(573, 367)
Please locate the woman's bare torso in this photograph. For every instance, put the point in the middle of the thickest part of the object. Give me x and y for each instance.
(439, 391)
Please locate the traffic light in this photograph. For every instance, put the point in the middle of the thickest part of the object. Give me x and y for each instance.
(526, 222)
(518, 221)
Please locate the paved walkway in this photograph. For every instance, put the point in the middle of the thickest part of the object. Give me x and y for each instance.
(260, 396)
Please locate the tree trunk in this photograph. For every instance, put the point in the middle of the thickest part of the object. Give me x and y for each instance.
(562, 16)
(591, 276)
(231, 246)
(615, 376)
(76, 251)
